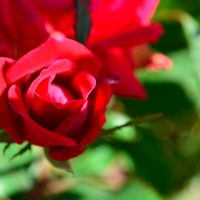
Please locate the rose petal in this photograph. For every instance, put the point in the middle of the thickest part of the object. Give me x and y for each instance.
(88, 136)
(59, 95)
(61, 66)
(46, 115)
(108, 67)
(76, 124)
(26, 36)
(52, 118)
(15, 100)
(47, 53)
(7, 120)
(143, 35)
(31, 134)
(62, 154)
(83, 83)
(133, 14)
(92, 68)
(59, 15)
(98, 101)
(128, 85)
(145, 9)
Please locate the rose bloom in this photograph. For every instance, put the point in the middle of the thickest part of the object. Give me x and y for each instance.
(119, 36)
(54, 97)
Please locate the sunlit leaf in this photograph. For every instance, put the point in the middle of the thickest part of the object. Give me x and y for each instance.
(6, 148)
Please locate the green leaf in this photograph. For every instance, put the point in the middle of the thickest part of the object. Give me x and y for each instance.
(83, 22)
(22, 151)
(60, 165)
(6, 148)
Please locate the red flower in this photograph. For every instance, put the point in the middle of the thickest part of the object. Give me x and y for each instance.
(52, 97)
(118, 27)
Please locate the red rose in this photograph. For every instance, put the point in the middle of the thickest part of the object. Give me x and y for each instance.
(117, 29)
(52, 97)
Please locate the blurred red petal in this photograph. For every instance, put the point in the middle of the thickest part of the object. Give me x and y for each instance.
(20, 26)
(130, 16)
(158, 61)
(143, 35)
(128, 85)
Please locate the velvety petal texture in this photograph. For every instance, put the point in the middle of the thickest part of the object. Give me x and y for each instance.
(54, 98)
(21, 28)
(8, 118)
(124, 17)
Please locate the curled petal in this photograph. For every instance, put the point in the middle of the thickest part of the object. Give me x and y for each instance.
(20, 26)
(50, 51)
(61, 66)
(8, 119)
(46, 115)
(74, 124)
(97, 103)
(83, 83)
(50, 138)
